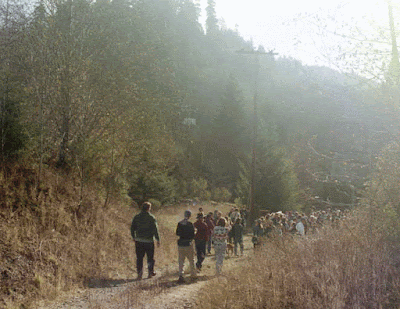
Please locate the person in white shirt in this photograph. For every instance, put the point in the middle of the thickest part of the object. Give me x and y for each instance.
(300, 227)
(220, 236)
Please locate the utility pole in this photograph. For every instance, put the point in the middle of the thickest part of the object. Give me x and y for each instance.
(252, 209)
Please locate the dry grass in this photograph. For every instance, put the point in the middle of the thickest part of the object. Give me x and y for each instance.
(52, 243)
(345, 267)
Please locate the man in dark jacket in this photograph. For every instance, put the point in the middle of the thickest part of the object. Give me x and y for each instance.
(144, 230)
(185, 231)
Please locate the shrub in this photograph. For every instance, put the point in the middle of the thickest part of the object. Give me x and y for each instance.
(160, 187)
(221, 194)
(198, 189)
(156, 204)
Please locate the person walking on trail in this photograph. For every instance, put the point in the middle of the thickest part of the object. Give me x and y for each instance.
(257, 233)
(185, 231)
(220, 235)
(144, 230)
(200, 239)
(237, 235)
(210, 223)
(300, 227)
(217, 215)
(235, 214)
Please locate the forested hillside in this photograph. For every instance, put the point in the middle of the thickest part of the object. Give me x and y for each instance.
(123, 98)
(138, 97)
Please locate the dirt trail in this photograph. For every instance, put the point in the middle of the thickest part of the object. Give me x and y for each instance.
(160, 292)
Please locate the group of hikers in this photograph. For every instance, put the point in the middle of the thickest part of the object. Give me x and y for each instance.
(209, 230)
(212, 229)
(293, 222)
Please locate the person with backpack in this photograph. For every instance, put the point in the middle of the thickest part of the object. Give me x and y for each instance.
(144, 230)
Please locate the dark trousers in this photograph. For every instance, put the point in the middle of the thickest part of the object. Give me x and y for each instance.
(200, 251)
(209, 245)
(144, 248)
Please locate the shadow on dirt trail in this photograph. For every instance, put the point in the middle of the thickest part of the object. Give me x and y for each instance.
(98, 283)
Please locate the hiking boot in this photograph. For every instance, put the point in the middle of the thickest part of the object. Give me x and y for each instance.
(152, 274)
(139, 276)
(181, 279)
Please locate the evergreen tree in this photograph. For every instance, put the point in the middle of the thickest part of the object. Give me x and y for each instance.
(229, 137)
(277, 186)
(212, 20)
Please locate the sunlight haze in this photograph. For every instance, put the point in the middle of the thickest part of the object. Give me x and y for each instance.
(272, 24)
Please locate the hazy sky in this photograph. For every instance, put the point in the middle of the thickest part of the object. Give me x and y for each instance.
(270, 23)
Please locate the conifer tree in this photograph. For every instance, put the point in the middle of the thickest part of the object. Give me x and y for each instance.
(229, 135)
(212, 20)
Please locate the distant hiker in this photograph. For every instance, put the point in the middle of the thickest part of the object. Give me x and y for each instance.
(143, 230)
(300, 227)
(237, 235)
(217, 215)
(228, 225)
(210, 223)
(200, 238)
(231, 211)
(235, 214)
(257, 232)
(292, 228)
(185, 231)
(220, 235)
(243, 215)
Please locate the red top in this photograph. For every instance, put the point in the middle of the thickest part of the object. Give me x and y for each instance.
(202, 231)
(210, 223)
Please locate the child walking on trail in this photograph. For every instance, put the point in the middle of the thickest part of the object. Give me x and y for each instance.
(237, 235)
(185, 231)
(220, 236)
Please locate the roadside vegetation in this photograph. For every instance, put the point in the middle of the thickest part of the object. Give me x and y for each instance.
(348, 266)
(353, 264)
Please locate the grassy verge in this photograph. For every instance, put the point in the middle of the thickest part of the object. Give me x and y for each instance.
(349, 266)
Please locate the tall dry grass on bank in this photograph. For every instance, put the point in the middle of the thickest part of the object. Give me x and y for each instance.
(349, 266)
(52, 242)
